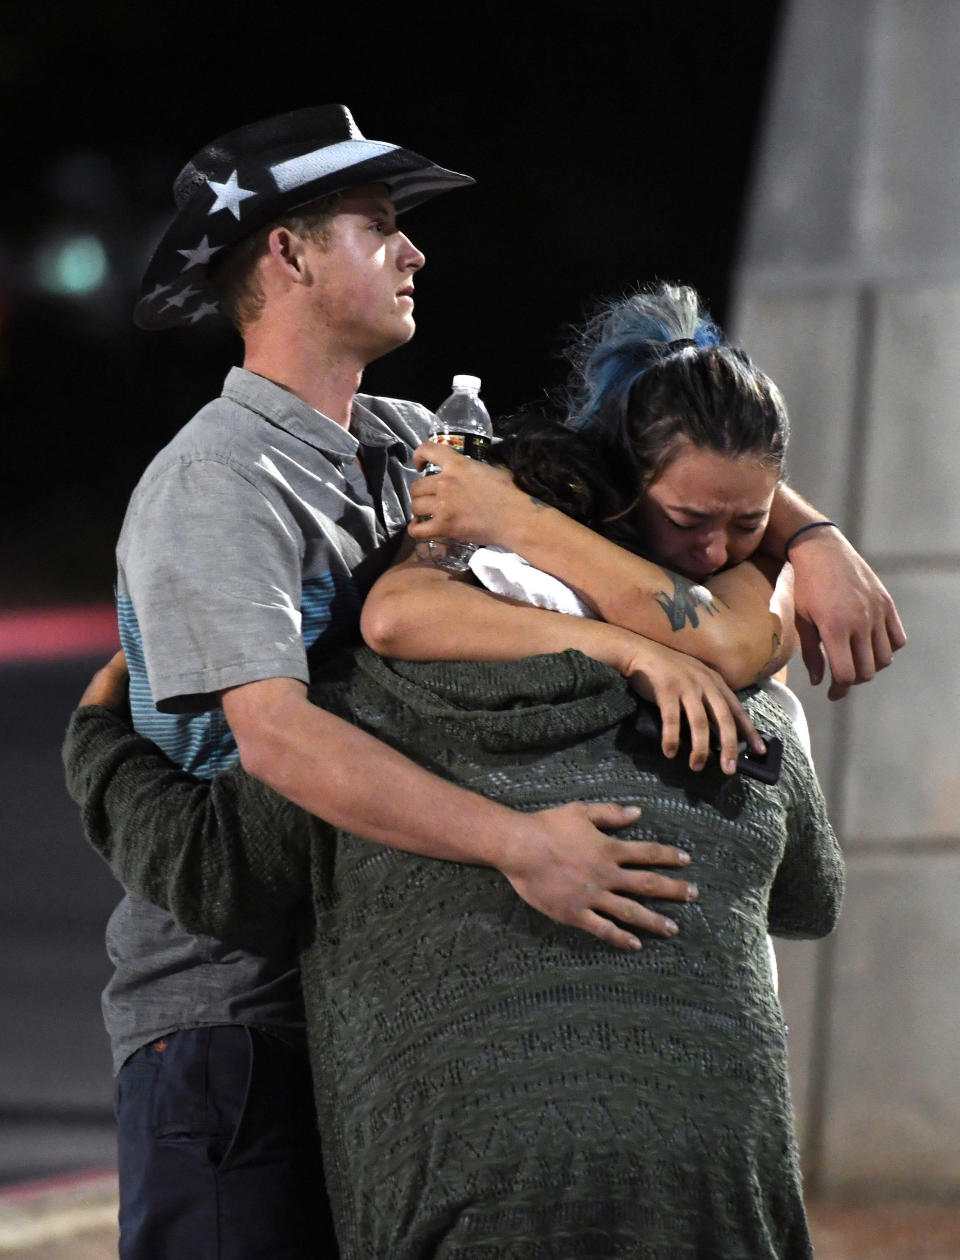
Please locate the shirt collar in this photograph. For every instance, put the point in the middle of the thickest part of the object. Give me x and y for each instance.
(289, 412)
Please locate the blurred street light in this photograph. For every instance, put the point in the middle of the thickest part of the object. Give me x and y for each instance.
(72, 265)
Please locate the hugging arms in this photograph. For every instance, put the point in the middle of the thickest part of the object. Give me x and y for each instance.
(459, 619)
(678, 404)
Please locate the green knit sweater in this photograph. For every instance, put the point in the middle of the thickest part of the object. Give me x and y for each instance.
(489, 1083)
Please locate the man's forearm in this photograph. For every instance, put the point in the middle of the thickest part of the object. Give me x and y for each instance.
(558, 859)
(169, 837)
(358, 783)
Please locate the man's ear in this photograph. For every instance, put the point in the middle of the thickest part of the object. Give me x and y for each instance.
(287, 251)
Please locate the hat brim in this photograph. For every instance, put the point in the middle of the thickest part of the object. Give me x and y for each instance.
(176, 290)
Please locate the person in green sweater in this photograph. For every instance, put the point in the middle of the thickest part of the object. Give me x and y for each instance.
(490, 1082)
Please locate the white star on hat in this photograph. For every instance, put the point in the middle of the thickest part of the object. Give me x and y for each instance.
(178, 299)
(229, 196)
(202, 311)
(200, 256)
(156, 291)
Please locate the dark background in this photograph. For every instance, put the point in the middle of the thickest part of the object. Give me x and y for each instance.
(611, 143)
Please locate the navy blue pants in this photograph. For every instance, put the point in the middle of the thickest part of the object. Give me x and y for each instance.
(218, 1151)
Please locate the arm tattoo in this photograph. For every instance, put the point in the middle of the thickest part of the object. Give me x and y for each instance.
(685, 602)
(772, 664)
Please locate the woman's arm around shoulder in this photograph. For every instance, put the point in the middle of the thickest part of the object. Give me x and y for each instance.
(732, 633)
(417, 612)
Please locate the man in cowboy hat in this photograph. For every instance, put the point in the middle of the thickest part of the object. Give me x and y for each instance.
(249, 543)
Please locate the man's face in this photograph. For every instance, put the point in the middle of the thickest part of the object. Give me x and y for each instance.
(364, 277)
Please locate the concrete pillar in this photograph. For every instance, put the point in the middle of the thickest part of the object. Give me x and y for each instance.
(848, 294)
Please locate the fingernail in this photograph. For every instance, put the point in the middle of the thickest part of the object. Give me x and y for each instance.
(670, 927)
(693, 892)
(632, 811)
(634, 944)
(730, 765)
(683, 857)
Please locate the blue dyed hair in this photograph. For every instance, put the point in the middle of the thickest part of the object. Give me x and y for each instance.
(625, 338)
(649, 372)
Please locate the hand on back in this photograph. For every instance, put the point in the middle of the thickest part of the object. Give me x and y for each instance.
(108, 686)
(566, 867)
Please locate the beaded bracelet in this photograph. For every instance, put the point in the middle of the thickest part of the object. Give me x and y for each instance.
(802, 530)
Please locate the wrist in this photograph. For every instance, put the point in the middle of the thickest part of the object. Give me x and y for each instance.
(805, 532)
(637, 656)
(506, 842)
(789, 512)
(524, 524)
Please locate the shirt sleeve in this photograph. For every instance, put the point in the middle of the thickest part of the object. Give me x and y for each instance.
(210, 568)
(226, 857)
(808, 887)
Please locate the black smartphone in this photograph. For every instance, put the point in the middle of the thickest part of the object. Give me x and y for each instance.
(765, 768)
(749, 763)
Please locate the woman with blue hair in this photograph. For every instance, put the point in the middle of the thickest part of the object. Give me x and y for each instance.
(490, 1082)
(652, 384)
(844, 612)
(662, 467)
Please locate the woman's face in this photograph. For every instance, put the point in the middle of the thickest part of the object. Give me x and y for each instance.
(706, 511)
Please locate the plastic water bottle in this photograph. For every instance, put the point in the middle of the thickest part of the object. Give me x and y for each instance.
(463, 422)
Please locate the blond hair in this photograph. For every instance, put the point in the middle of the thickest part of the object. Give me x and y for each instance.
(234, 278)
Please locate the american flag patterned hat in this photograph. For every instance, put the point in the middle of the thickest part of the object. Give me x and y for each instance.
(255, 174)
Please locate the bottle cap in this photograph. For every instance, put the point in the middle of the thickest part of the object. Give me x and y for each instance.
(470, 383)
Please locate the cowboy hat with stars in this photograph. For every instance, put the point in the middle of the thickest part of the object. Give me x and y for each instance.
(255, 174)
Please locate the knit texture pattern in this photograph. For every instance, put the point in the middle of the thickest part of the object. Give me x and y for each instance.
(491, 1084)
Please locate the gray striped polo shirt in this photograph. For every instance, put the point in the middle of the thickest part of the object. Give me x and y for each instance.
(250, 540)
